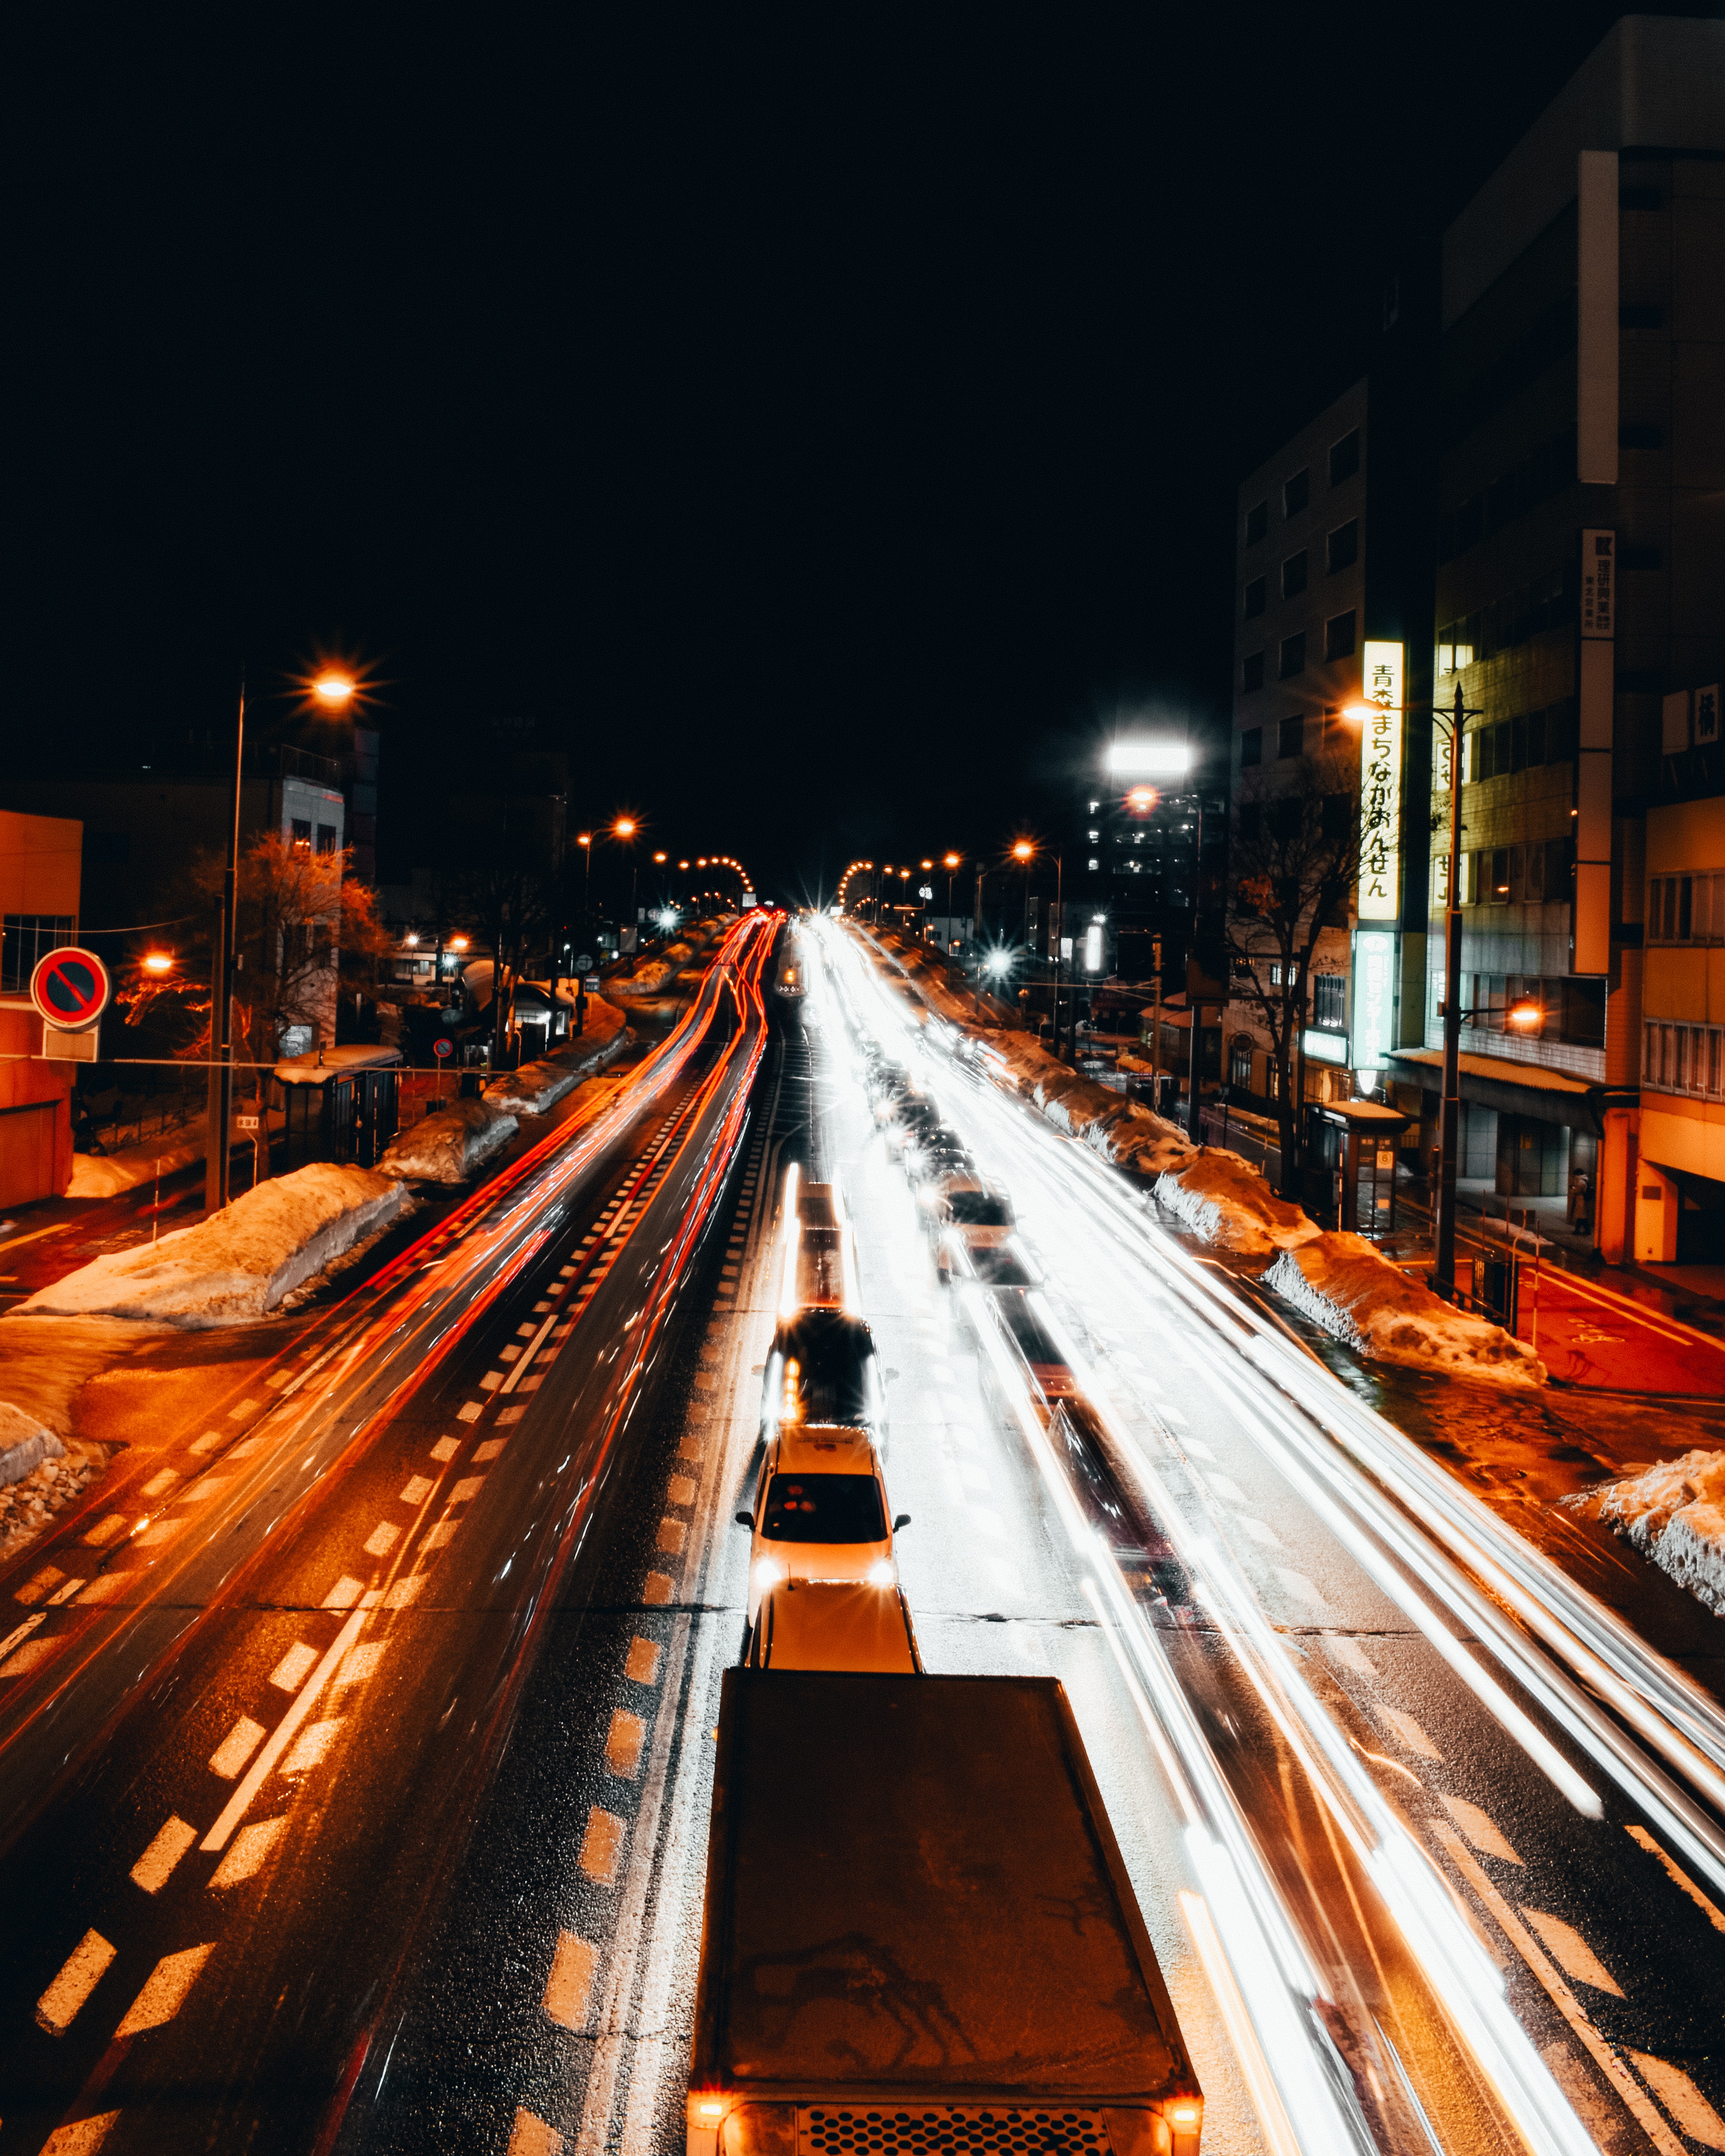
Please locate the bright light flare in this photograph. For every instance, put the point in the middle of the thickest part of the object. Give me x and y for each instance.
(158, 962)
(1150, 759)
(335, 691)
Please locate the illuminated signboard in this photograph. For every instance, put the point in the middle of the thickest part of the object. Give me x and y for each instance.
(1374, 998)
(1380, 785)
(1324, 1047)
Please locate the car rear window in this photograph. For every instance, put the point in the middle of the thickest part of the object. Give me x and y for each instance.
(824, 1508)
(978, 1209)
(1001, 1267)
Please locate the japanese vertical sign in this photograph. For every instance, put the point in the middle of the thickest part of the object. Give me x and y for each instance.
(1599, 583)
(1380, 785)
(1374, 998)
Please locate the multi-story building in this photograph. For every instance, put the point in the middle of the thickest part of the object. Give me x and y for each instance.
(39, 895)
(1580, 596)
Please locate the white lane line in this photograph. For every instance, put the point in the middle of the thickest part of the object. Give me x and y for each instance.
(164, 1991)
(346, 1592)
(38, 1584)
(58, 2007)
(314, 1741)
(418, 1490)
(20, 1632)
(467, 1489)
(437, 1536)
(658, 1590)
(642, 1666)
(152, 1868)
(251, 1846)
(670, 1537)
(383, 1538)
(157, 1483)
(680, 1489)
(1352, 1656)
(485, 1453)
(286, 1730)
(1572, 1952)
(1680, 1878)
(245, 1408)
(206, 1486)
(446, 1447)
(208, 1442)
(1695, 2116)
(623, 1744)
(289, 1672)
(601, 1846)
(527, 1354)
(236, 1747)
(82, 2137)
(470, 1412)
(360, 1664)
(532, 2136)
(1413, 1737)
(569, 1985)
(1480, 1828)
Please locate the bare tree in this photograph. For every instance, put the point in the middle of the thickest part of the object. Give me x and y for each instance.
(1295, 861)
(506, 897)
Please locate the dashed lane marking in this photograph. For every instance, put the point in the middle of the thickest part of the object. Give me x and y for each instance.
(82, 2137)
(291, 1672)
(286, 1730)
(164, 1989)
(236, 1747)
(1413, 1737)
(58, 2007)
(1680, 1878)
(346, 1592)
(569, 1986)
(1480, 1828)
(360, 1665)
(446, 1447)
(313, 1741)
(644, 1657)
(383, 1538)
(1695, 2116)
(670, 1537)
(470, 1412)
(245, 1408)
(153, 1867)
(1571, 1952)
(418, 1490)
(488, 1450)
(532, 2136)
(251, 1846)
(658, 1590)
(623, 1744)
(601, 1846)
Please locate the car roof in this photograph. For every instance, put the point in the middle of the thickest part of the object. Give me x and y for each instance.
(824, 1448)
(833, 1624)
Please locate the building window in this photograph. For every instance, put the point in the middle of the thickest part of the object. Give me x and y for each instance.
(1275, 972)
(1329, 1002)
(301, 831)
(1239, 1069)
(1252, 672)
(1291, 737)
(1257, 522)
(1338, 636)
(1296, 492)
(1344, 458)
(1254, 597)
(1293, 575)
(28, 938)
(1293, 655)
(1343, 549)
(1095, 863)
(326, 838)
(1252, 746)
(1499, 861)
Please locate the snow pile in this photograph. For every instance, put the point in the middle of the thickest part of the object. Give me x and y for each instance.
(449, 1144)
(24, 1444)
(1341, 1283)
(1675, 1514)
(107, 1175)
(537, 1087)
(1225, 1200)
(650, 976)
(599, 1021)
(239, 1263)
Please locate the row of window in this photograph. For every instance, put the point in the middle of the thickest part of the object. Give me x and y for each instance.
(302, 835)
(1297, 488)
(1687, 909)
(1682, 1059)
(1287, 817)
(1329, 735)
(1536, 874)
(1340, 638)
(1546, 601)
(1508, 745)
(1341, 551)
(27, 938)
(1547, 471)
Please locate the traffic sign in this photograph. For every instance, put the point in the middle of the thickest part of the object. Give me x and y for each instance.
(442, 1047)
(70, 989)
(583, 964)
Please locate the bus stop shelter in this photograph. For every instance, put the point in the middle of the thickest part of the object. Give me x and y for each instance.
(1355, 1141)
(342, 1104)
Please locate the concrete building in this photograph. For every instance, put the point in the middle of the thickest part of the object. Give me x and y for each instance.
(40, 870)
(1580, 604)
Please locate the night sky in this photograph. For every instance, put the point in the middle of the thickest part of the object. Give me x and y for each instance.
(822, 421)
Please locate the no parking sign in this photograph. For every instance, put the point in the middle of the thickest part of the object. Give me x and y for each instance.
(70, 989)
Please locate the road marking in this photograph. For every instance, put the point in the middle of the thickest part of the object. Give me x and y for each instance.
(670, 1537)
(245, 1408)
(105, 1530)
(153, 1867)
(21, 1632)
(404, 1591)
(383, 1538)
(1480, 1828)
(207, 1485)
(658, 1590)
(157, 1483)
(1261, 1532)
(163, 1531)
(314, 1741)
(57, 2007)
(1695, 2116)
(681, 1490)
(251, 1846)
(1352, 1656)
(443, 1533)
(446, 1447)
(506, 1415)
(623, 1744)
(38, 1584)
(569, 1986)
(82, 2137)
(467, 1489)
(491, 1381)
(278, 1379)
(532, 2136)
(1413, 1737)
(165, 1991)
(208, 1442)
(470, 1412)
(237, 1804)
(642, 1666)
(419, 1489)
(601, 1846)
(1300, 1587)
(1572, 1952)
(346, 1592)
(102, 1590)
(236, 1747)
(1680, 1877)
(361, 1665)
(509, 1355)
(488, 1450)
(247, 1447)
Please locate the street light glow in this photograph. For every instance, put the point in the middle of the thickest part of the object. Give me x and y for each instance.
(624, 827)
(1132, 759)
(1023, 850)
(334, 689)
(583, 837)
(158, 962)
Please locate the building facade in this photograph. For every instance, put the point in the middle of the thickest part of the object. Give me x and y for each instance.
(1580, 597)
(40, 872)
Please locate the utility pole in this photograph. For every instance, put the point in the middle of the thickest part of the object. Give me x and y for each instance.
(221, 1017)
(1443, 1277)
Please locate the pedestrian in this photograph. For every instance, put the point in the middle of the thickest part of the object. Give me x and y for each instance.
(1581, 1203)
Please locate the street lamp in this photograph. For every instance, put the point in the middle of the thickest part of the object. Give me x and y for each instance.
(334, 691)
(1026, 852)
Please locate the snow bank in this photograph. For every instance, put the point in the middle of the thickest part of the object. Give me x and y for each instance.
(450, 1143)
(24, 1444)
(646, 980)
(1675, 1514)
(1341, 1283)
(537, 1087)
(239, 1263)
(105, 1175)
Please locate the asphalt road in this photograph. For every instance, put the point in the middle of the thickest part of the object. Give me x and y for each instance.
(241, 1781)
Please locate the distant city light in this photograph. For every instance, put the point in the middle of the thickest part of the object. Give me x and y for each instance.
(1130, 759)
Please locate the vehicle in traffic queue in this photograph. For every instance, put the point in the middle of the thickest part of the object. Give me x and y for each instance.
(820, 1511)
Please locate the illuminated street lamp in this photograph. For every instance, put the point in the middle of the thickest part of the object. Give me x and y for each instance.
(158, 962)
(334, 691)
(1026, 852)
(949, 862)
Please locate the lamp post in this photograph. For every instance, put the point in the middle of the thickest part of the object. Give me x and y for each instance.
(623, 829)
(950, 863)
